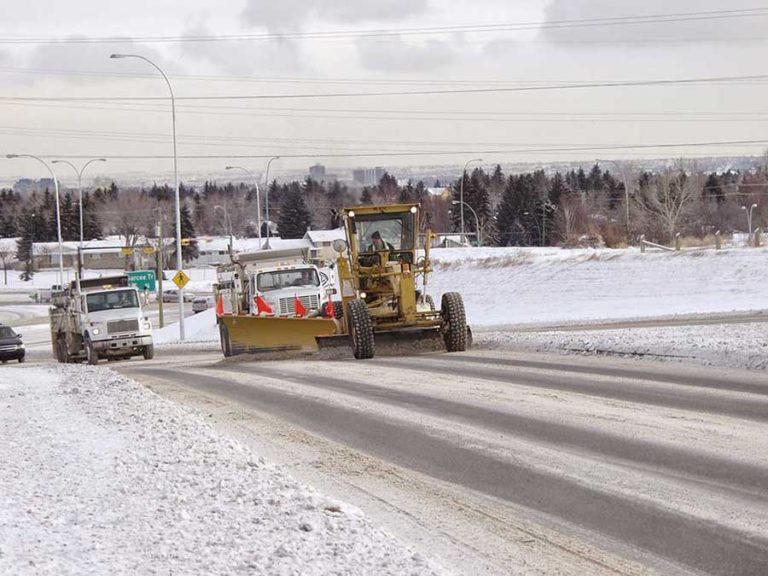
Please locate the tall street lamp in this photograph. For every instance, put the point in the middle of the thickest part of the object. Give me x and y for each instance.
(266, 199)
(58, 210)
(461, 196)
(477, 220)
(258, 195)
(179, 258)
(749, 220)
(79, 186)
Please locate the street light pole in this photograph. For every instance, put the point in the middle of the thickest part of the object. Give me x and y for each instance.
(79, 185)
(179, 258)
(266, 198)
(461, 196)
(58, 210)
(258, 195)
(477, 221)
(749, 220)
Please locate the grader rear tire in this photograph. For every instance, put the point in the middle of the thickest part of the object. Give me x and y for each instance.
(454, 322)
(361, 330)
(338, 309)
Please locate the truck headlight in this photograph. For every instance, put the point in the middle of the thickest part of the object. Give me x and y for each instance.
(96, 331)
(147, 325)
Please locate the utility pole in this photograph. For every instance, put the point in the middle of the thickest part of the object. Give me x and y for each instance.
(159, 230)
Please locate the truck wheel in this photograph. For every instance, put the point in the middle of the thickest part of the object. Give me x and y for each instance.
(226, 343)
(338, 309)
(454, 322)
(21, 359)
(361, 330)
(149, 352)
(90, 352)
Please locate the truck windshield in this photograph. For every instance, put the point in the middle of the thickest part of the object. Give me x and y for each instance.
(114, 300)
(279, 279)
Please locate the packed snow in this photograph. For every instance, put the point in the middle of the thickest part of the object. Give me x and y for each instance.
(198, 328)
(102, 476)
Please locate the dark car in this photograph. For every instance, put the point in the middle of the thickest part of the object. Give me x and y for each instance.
(11, 346)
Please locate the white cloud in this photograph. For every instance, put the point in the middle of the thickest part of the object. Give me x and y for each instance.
(290, 14)
(690, 30)
(393, 54)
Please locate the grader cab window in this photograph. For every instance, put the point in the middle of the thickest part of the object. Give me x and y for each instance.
(393, 232)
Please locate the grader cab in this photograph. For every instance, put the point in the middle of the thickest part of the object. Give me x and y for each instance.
(383, 277)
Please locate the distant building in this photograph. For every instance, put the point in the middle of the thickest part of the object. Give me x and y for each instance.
(368, 176)
(317, 172)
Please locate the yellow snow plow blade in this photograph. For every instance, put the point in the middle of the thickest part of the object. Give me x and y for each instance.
(243, 334)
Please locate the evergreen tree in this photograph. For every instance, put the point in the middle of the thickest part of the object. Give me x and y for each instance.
(91, 223)
(477, 198)
(191, 250)
(24, 245)
(295, 219)
(366, 198)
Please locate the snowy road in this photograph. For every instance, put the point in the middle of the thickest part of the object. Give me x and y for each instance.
(500, 462)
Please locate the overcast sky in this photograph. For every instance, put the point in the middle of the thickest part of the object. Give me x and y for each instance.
(531, 47)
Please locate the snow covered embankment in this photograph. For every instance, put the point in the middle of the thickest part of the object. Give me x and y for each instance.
(102, 476)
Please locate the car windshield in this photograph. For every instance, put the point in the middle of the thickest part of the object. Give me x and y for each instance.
(112, 300)
(279, 279)
(385, 231)
(7, 332)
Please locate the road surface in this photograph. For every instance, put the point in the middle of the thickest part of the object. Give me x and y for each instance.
(497, 462)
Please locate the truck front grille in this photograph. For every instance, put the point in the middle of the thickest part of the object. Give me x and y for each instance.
(288, 307)
(123, 326)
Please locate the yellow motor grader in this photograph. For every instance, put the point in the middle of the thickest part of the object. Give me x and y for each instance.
(383, 283)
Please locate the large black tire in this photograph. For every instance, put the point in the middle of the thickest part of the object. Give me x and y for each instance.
(361, 330)
(454, 322)
(338, 309)
(90, 352)
(21, 359)
(226, 343)
(149, 352)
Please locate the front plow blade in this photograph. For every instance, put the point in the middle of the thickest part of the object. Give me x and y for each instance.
(261, 334)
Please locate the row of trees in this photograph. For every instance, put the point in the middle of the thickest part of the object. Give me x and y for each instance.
(526, 209)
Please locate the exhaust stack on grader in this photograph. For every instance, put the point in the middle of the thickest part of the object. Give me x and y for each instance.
(382, 279)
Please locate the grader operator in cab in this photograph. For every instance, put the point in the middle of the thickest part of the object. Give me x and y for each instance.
(384, 282)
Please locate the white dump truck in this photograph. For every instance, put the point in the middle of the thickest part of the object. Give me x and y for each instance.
(99, 318)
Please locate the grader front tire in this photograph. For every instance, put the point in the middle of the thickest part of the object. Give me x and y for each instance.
(361, 330)
(454, 322)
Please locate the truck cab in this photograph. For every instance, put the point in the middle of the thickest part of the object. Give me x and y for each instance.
(100, 319)
(279, 287)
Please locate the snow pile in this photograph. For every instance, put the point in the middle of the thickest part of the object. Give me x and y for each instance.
(534, 285)
(102, 476)
(198, 328)
(726, 345)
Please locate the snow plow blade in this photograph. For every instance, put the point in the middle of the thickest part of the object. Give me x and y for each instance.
(248, 334)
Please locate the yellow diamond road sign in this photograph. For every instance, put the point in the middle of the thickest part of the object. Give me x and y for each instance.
(180, 279)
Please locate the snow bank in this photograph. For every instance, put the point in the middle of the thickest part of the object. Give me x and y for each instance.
(101, 476)
(725, 345)
(534, 285)
(198, 328)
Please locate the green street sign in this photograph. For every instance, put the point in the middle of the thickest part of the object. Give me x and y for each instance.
(142, 279)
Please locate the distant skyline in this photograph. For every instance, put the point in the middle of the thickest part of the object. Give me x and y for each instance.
(255, 48)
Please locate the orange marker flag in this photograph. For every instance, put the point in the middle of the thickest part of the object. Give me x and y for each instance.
(220, 306)
(262, 306)
(299, 307)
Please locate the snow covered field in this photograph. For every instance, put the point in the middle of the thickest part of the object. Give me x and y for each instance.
(101, 476)
(723, 345)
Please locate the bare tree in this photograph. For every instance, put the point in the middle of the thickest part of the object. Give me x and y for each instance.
(669, 197)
